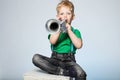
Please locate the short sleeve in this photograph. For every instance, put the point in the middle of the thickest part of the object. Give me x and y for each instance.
(77, 33)
(49, 36)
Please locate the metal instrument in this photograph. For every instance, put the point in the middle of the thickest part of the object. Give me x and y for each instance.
(53, 26)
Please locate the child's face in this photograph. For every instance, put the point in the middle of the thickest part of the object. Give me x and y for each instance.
(65, 13)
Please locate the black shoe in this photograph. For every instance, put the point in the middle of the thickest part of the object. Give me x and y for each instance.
(66, 72)
(62, 72)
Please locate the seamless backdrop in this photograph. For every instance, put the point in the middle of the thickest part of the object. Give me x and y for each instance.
(23, 33)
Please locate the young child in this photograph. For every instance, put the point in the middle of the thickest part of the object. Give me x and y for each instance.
(63, 46)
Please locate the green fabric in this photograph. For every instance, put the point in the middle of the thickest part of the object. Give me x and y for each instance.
(63, 44)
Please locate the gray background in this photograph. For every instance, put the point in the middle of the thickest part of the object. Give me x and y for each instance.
(23, 33)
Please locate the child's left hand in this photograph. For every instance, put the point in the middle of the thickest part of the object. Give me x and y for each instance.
(68, 26)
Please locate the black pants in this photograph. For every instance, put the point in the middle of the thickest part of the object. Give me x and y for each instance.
(57, 62)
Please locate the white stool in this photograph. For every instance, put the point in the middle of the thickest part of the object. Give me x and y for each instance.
(38, 74)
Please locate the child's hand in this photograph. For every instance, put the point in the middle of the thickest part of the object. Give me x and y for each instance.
(68, 26)
(59, 18)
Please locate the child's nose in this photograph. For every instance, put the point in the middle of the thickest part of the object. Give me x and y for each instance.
(65, 16)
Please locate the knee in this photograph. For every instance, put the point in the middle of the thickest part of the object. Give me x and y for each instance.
(81, 74)
(35, 58)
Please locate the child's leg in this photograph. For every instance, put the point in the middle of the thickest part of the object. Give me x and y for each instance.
(45, 64)
(76, 71)
(81, 75)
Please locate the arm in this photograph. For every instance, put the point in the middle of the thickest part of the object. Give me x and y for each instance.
(54, 38)
(77, 42)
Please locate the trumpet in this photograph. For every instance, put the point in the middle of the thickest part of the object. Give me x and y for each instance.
(53, 26)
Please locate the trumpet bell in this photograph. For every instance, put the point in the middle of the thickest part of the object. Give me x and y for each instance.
(53, 26)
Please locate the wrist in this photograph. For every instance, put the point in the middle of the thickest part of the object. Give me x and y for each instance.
(69, 30)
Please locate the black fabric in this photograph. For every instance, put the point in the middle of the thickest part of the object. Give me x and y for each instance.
(63, 57)
(60, 64)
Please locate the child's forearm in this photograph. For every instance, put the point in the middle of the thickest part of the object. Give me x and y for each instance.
(54, 37)
(77, 42)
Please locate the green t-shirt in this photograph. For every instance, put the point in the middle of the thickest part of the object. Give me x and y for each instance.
(64, 43)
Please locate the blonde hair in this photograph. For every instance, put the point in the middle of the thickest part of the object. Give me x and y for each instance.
(65, 3)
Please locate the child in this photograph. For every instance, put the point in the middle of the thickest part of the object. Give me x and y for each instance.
(63, 46)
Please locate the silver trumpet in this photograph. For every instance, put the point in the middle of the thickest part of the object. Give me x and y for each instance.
(53, 26)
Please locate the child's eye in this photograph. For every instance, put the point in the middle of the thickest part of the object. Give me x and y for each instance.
(69, 13)
(61, 13)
